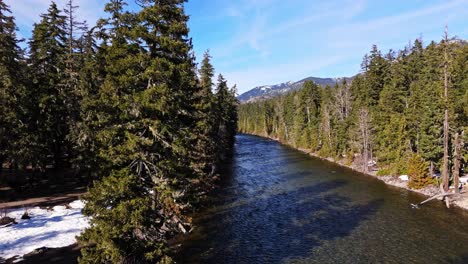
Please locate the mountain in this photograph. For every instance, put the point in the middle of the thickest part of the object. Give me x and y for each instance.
(268, 91)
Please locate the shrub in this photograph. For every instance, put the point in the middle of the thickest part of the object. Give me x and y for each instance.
(384, 172)
(418, 172)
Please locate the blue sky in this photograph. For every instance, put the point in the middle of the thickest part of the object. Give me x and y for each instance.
(257, 42)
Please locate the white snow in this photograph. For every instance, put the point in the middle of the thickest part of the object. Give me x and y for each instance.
(47, 228)
(464, 179)
(403, 177)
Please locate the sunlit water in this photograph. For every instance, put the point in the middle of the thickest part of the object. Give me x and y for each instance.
(278, 205)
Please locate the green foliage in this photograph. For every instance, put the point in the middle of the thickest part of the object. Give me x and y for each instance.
(11, 88)
(153, 127)
(122, 226)
(418, 172)
(48, 97)
(384, 172)
(392, 108)
(122, 104)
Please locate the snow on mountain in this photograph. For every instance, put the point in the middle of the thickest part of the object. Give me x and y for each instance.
(268, 91)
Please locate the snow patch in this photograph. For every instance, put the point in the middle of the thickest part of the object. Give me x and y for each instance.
(464, 179)
(47, 228)
(403, 177)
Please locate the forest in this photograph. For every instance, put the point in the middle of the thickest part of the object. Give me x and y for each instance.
(123, 106)
(406, 112)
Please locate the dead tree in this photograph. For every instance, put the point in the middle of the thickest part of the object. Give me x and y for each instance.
(445, 166)
(326, 127)
(342, 96)
(364, 129)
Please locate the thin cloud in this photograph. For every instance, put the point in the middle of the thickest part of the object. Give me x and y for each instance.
(256, 42)
(385, 22)
(27, 12)
(272, 74)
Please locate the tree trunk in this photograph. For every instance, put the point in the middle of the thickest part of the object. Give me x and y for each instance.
(286, 131)
(445, 167)
(456, 166)
(2, 159)
(431, 169)
(365, 134)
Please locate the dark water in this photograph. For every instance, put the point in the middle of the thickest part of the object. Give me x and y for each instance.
(278, 205)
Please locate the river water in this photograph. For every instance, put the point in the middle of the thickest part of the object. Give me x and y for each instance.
(278, 205)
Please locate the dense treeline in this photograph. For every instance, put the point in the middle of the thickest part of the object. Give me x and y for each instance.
(123, 104)
(392, 112)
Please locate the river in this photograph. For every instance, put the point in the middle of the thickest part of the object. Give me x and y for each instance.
(278, 205)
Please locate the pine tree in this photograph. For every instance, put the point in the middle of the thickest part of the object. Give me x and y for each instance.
(417, 172)
(206, 132)
(342, 105)
(144, 119)
(49, 111)
(11, 87)
(119, 230)
(221, 100)
(74, 62)
(91, 77)
(310, 102)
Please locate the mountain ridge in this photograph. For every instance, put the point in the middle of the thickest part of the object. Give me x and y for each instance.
(268, 91)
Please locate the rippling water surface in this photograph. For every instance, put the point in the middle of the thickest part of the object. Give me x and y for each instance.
(278, 205)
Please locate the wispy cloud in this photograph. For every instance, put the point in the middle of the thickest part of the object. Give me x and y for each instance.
(255, 42)
(306, 38)
(27, 12)
(438, 11)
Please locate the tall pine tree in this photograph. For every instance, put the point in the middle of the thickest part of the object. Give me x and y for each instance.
(48, 94)
(11, 87)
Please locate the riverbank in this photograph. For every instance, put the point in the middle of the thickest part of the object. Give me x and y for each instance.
(277, 205)
(460, 201)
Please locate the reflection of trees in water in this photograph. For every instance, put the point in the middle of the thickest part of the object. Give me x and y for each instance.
(277, 227)
(284, 206)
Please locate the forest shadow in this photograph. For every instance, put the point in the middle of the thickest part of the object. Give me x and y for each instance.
(21, 185)
(273, 228)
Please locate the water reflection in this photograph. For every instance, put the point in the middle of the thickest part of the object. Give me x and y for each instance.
(277, 205)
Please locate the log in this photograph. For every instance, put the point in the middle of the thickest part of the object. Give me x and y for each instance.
(443, 195)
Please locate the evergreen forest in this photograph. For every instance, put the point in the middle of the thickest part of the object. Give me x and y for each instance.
(116, 141)
(406, 105)
(123, 106)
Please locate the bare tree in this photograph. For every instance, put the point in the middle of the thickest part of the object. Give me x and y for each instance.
(342, 106)
(445, 166)
(326, 126)
(364, 121)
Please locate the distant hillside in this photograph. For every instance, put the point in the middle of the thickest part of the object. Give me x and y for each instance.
(268, 91)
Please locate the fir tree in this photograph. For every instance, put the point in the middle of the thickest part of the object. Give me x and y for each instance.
(205, 146)
(48, 109)
(11, 88)
(417, 172)
(146, 104)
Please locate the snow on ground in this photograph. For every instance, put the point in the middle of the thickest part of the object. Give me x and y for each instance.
(47, 228)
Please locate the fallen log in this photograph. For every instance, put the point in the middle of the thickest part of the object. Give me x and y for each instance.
(442, 195)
